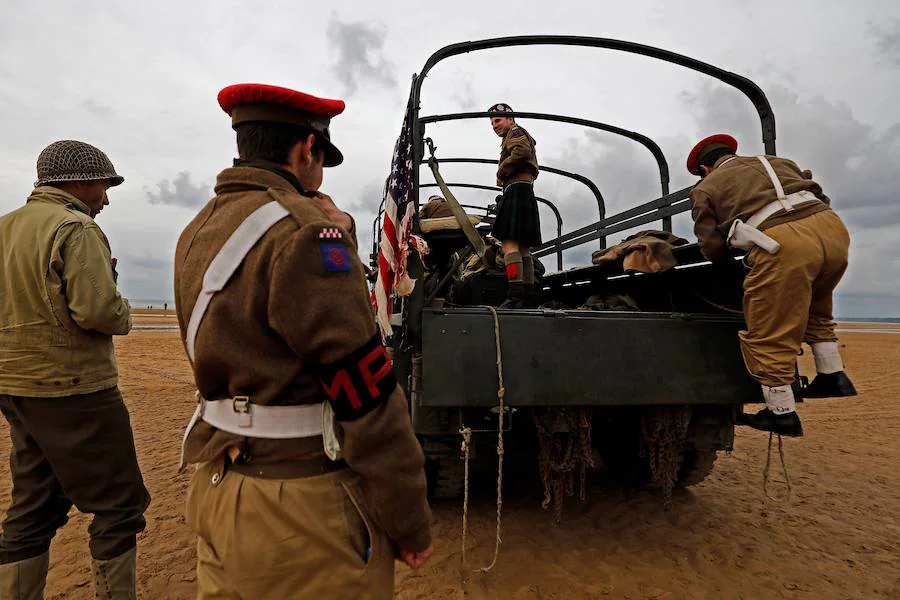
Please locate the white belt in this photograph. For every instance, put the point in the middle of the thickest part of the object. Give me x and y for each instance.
(239, 415)
(746, 235)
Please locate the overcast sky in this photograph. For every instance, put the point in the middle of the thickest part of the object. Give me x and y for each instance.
(139, 80)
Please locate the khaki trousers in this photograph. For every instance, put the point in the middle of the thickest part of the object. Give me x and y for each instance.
(286, 538)
(788, 295)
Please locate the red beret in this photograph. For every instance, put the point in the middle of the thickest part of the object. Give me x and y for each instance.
(248, 102)
(719, 140)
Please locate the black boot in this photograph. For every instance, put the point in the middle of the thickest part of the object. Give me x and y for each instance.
(765, 420)
(829, 385)
(515, 296)
(532, 300)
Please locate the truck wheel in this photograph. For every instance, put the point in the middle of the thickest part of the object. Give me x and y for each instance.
(696, 465)
(446, 478)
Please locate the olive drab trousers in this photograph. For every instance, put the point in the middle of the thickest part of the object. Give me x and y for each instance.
(788, 295)
(305, 537)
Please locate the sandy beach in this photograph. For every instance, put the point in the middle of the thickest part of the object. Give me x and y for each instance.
(837, 537)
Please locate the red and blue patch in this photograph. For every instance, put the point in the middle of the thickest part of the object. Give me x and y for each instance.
(334, 252)
(335, 256)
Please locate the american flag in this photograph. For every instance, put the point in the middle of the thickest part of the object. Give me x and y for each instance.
(399, 209)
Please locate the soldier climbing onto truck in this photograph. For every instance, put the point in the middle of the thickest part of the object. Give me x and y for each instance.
(797, 249)
(517, 225)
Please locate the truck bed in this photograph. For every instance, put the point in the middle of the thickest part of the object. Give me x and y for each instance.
(582, 357)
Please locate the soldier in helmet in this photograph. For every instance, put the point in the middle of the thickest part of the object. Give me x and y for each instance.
(71, 436)
(518, 225)
(310, 479)
(797, 251)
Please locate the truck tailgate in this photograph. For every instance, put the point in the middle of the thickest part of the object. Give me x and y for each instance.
(582, 357)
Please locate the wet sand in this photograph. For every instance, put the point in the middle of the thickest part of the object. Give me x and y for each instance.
(838, 537)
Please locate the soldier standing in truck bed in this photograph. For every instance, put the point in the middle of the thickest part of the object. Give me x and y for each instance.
(797, 253)
(518, 225)
(311, 480)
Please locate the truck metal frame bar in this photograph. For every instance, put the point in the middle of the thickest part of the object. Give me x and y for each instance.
(476, 186)
(666, 206)
(642, 139)
(601, 203)
(752, 91)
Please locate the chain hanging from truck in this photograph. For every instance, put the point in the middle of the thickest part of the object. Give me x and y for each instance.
(564, 435)
(663, 431)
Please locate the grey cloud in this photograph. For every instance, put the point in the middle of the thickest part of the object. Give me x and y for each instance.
(464, 96)
(624, 172)
(364, 209)
(180, 192)
(370, 197)
(360, 54)
(148, 262)
(96, 109)
(855, 164)
(887, 41)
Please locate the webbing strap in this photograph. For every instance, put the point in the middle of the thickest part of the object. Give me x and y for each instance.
(775, 182)
(228, 260)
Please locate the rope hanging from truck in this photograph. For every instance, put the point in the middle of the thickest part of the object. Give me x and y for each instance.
(466, 433)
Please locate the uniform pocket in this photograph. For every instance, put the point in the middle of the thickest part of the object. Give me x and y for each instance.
(362, 533)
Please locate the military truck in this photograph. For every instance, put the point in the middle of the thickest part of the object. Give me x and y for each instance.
(652, 391)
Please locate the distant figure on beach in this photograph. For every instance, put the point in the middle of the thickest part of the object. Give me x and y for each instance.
(797, 253)
(165, 306)
(71, 433)
(310, 481)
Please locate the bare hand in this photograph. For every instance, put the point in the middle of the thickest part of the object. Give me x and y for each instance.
(414, 560)
(114, 262)
(327, 206)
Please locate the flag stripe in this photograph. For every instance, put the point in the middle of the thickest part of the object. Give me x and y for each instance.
(399, 207)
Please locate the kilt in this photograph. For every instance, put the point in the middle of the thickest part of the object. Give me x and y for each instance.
(517, 215)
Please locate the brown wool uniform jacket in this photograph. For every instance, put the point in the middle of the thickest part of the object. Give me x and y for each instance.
(740, 188)
(518, 158)
(280, 317)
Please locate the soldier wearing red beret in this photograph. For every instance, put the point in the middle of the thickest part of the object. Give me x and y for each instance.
(797, 251)
(518, 225)
(310, 480)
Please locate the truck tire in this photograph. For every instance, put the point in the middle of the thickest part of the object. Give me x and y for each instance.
(446, 478)
(696, 465)
(634, 471)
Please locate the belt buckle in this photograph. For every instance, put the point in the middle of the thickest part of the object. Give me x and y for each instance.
(241, 405)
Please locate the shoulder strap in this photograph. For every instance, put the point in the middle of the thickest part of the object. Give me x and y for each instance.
(229, 258)
(779, 191)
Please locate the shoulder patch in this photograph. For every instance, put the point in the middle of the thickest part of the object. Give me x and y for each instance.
(517, 132)
(359, 382)
(330, 233)
(334, 253)
(335, 257)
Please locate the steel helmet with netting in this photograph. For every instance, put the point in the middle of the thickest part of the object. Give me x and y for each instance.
(71, 160)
